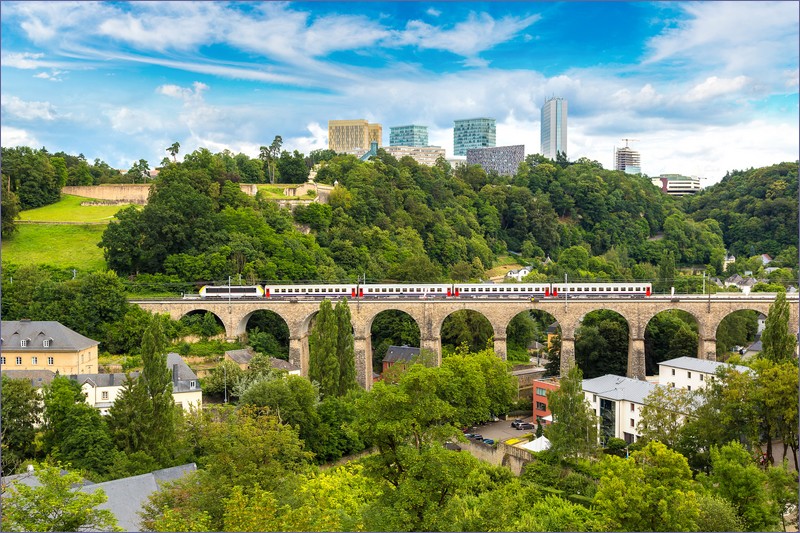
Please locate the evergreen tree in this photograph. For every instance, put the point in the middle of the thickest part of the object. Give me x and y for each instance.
(778, 343)
(666, 272)
(156, 379)
(323, 365)
(126, 424)
(21, 411)
(344, 348)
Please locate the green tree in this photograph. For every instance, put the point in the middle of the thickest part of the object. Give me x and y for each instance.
(292, 167)
(55, 505)
(173, 150)
(156, 379)
(323, 363)
(269, 155)
(573, 432)
(10, 209)
(736, 477)
(666, 272)
(664, 413)
(778, 344)
(651, 491)
(345, 348)
(21, 412)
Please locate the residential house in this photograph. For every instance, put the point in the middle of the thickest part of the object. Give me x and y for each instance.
(241, 357)
(282, 364)
(126, 497)
(689, 372)
(618, 402)
(551, 332)
(46, 345)
(101, 390)
(743, 284)
(766, 259)
(402, 355)
(185, 385)
(753, 350)
(541, 407)
(37, 378)
(518, 274)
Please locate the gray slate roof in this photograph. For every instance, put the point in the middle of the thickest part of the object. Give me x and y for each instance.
(400, 354)
(698, 365)
(242, 356)
(103, 380)
(37, 378)
(126, 496)
(280, 364)
(184, 374)
(619, 388)
(60, 336)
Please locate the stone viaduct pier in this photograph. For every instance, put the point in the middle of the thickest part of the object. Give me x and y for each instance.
(429, 314)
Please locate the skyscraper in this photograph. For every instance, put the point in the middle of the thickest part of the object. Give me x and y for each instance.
(554, 127)
(627, 160)
(347, 135)
(408, 136)
(473, 133)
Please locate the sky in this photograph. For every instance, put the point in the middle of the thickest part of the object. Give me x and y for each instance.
(702, 87)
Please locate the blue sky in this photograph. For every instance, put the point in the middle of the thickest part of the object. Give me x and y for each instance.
(704, 87)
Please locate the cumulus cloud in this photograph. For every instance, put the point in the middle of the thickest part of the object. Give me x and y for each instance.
(53, 75)
(11, 136)
(25, 110)
(433, 12)
(714, 86)
(193, 93)
(22, 60)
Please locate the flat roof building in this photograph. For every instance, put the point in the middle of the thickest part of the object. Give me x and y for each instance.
(411, 135)
(349, 135)
(473, 133)
(504, 160)
(424, 155)
(554, 128)
(677, 185)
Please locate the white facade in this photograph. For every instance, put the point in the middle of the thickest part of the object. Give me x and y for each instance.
(424, 155)
(518, 274)
(689, 373)
(554, 128)
(677, 185)
(617, 402)
(102, 394)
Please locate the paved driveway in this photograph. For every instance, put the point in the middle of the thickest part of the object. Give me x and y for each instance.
(501, 430)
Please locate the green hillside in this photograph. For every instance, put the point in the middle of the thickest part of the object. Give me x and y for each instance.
(58, 245)
(69, 209)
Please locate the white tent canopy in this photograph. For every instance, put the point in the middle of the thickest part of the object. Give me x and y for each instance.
(539, 445)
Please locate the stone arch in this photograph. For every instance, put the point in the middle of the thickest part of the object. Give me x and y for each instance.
(733, 315)
(201, 311)
(281, 335)
(473, 318)
(376, 346)
(687, 348)
(541, 320)
(634, 365)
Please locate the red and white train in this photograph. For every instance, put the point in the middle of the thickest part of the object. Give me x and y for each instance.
(633, 289)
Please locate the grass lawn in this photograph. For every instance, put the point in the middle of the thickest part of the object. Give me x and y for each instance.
(61, 246)
(69, 209)
(270, 190)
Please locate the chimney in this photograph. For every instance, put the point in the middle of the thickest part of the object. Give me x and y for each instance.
(112, 379)
(175, 374)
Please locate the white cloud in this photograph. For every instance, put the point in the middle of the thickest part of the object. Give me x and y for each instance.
(714, 86)
(433, 12)
(317, 139)
(186, 94)
(53, 75)
(24, 110)
(22, 60)
(11, 136)
(133, 121)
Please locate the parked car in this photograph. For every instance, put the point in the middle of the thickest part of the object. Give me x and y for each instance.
(515, 424)
(469, 435)
(477, 436)
(526, 425)
(488, 441)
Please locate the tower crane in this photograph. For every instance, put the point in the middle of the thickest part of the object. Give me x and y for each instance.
(631, 140)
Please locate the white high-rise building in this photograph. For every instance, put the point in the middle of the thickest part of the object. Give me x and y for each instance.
(627, 160)
(554, 127)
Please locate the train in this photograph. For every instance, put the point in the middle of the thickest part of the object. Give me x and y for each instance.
(634, 289)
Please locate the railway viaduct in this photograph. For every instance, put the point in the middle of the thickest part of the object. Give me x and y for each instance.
(430, 314)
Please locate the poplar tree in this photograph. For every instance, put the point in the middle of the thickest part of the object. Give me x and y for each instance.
(574, 429)
(344, 348)
(156, 379)
(778, 344)
(323, 364)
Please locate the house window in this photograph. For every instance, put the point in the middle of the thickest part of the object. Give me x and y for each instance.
(19, 360)
(672, 385)
(701, 377)
(50, 361)
(689, 387)
(23, 343)
(2, 360)
(633, 424)
(633, 407)
(104, 395)
(540, 391)
(541, 406)
(34, 360)
(689, 374)
(594, 398)
(192, 384)
(46, 343)
(673, 371)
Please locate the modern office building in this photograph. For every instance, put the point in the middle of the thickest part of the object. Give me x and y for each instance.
(473, 133)
(349, 135)
(627, 160)
(424, 155)
(408, 135)
(504, 160)
(554, 127)
(677, 185)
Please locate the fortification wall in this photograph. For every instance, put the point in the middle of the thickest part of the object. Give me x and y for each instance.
(135, 193)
